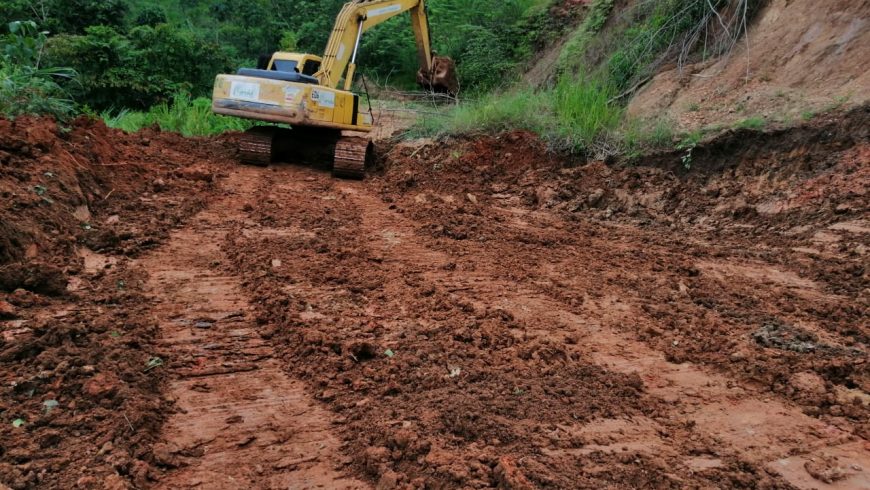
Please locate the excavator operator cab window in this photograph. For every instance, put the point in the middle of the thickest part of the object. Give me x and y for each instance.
(311, 67)
(285, 66)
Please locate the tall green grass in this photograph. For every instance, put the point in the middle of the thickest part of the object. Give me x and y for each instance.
(29, 90)
(26, 87)
(190, 117)
(573, 115)
(492, 112)
(583, 112)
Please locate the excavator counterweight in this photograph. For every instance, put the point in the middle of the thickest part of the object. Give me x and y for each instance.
(313, 93)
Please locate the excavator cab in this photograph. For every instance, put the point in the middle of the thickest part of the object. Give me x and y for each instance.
(306, 64)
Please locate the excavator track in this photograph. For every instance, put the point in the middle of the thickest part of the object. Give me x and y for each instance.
(351, 156)
(255, 147)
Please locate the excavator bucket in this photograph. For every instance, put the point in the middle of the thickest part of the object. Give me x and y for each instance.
(442, 77)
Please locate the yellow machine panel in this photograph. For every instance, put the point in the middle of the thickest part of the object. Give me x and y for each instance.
(288, 102)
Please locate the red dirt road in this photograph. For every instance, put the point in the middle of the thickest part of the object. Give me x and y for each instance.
(479, 314)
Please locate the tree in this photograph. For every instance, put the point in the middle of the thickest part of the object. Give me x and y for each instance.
(75, 16)
(151, 15)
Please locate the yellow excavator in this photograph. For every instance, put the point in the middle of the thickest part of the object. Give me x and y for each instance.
(302, 90)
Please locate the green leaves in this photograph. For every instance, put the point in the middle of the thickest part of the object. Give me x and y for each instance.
(141, 68)
(136, 54)
(75, 16)
(25, 87)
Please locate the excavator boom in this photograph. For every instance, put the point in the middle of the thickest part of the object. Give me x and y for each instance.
(357, 17)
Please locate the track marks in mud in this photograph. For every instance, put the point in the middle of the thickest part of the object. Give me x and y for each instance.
(364, 281)
(241, 421)
(739, 420)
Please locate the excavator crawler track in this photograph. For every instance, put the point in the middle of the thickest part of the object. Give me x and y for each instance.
(255, 147)
(351, 156)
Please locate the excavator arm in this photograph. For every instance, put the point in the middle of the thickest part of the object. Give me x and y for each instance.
(358, 16)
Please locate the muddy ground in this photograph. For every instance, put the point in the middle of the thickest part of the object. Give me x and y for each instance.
(478, 313)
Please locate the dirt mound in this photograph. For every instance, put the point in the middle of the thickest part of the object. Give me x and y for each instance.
(462, 325)
(80, 402)
(801, 57)
(65, 189)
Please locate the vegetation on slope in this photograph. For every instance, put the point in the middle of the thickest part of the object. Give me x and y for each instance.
(603, 61)
(137, 63)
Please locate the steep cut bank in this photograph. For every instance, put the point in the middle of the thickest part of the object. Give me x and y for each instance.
(800, 57)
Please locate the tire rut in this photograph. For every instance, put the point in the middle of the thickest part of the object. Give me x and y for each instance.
(241, 422)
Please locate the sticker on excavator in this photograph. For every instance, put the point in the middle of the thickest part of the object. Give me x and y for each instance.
(291, 93)
(245, 91)
(384, 10)
(323, 98)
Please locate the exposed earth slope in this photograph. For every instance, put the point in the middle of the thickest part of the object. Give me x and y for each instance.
(800, 58)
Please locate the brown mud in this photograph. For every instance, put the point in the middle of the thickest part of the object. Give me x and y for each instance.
(479, 313)
(80, 407)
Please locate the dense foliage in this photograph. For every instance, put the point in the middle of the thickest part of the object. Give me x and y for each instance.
(26, 87)
(138, 53)
(602, 62)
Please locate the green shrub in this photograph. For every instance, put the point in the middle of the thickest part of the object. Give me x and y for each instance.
(190, 117)
(583, 111)
(756, 122)
(139, 69)
(75, 16)
(151, 15)
(25, 86)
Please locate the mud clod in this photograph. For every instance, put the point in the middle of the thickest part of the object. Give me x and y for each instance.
(786, 337)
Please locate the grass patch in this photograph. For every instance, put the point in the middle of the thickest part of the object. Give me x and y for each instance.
(190, 117)
(573, 115)
(756, 123)
(494, 112)
(583, 112)
(637, 136)
(27, 90)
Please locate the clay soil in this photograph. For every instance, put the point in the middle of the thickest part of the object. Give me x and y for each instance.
(477, 313)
